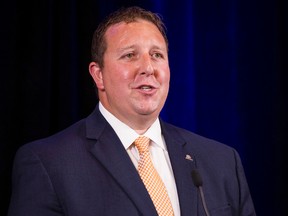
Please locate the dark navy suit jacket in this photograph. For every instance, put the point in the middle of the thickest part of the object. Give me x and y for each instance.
(85, 171)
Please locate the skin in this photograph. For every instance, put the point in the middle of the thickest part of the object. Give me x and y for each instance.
(134, 82)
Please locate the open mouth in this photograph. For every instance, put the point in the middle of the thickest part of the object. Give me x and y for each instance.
(146, 88)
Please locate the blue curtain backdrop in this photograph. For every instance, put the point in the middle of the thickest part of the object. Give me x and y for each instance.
(228, 63)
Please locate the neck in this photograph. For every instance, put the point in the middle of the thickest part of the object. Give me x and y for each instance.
(141, 132)
(141, 124)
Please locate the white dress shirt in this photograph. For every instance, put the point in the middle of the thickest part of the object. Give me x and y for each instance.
(158, 152)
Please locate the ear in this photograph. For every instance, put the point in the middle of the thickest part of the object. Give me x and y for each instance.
(96, 73)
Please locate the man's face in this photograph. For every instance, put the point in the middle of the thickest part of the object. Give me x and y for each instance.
(134, 81)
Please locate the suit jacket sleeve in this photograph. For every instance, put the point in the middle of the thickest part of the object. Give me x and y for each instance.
(33, 193)
(246, 203)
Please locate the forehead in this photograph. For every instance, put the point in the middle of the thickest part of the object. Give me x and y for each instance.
(139, 29)
(137, 22)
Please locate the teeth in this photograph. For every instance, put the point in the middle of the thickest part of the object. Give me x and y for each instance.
(145, 87)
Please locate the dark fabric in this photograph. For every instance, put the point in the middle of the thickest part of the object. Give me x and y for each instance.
(85, 170)
(228, 63)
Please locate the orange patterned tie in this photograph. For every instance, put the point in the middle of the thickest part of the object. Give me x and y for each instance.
(151, 178)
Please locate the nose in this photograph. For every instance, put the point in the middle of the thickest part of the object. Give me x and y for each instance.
(147, 67)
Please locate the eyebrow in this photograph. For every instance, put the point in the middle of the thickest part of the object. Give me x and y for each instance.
(126, 48)
(135, 46)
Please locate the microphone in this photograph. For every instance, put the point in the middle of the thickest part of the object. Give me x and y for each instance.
(197, 180)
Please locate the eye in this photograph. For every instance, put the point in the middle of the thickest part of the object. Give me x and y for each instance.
(157, 55)
(129, 55)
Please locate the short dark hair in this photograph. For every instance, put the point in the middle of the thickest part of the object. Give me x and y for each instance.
(128, 15)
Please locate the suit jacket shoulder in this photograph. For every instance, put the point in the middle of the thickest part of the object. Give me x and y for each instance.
(224, 182)
(82, 170)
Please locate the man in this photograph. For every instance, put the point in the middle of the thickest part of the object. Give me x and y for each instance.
(94, 167)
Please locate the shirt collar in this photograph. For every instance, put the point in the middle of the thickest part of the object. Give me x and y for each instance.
(127, 135)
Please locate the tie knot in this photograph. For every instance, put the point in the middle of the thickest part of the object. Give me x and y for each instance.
(142, 144)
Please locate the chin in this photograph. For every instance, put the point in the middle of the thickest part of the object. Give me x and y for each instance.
(149, 111)
(148, 108)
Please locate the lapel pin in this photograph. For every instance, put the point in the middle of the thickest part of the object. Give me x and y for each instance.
(188, 157)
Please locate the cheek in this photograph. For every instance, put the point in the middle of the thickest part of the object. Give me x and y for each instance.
(164, 76)
(117, 76)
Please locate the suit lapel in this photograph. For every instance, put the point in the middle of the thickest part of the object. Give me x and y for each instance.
(109, 150)
(182, 166)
